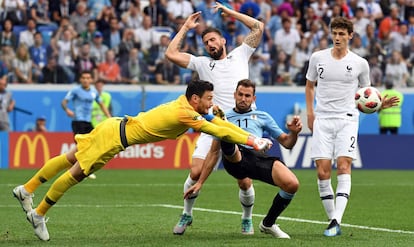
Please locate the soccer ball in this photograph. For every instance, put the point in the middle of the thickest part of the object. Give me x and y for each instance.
(368, 100)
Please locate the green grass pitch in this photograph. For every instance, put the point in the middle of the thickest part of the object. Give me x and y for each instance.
(141, 207)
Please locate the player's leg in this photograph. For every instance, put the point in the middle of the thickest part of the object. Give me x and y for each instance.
(24, 193)
(321, 153)
(63, 183)
(202, 149)
(246, 197)
(345, 153)
(288, 183)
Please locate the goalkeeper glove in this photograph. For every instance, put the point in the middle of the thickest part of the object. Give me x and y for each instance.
(218, 112)
(259, 144)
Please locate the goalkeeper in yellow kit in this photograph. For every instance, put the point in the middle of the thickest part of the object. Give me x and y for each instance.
(95, 149)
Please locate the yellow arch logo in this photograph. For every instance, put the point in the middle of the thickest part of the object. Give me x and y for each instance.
(31, 148)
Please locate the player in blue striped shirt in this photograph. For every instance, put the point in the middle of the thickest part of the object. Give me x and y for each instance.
(242, 162)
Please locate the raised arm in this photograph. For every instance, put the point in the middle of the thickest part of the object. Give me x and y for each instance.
(173, 50)
(256, 27)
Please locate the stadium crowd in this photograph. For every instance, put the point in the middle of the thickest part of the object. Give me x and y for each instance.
(124, 41)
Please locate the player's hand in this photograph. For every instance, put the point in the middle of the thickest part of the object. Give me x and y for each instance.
(311, 119)
(389, 102)
(191, 21)
(192, 190)
(262, 144)
(221, 8)
(295, 125)
(218, 112)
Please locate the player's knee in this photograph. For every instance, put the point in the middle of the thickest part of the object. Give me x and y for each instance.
(245, 183)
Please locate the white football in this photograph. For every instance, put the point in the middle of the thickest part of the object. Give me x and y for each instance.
(368, 100)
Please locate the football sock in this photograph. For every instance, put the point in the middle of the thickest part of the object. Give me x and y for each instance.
(280, 202)
(326, 194)
(56, 191)
(48, 171)
(246, 198)
(189, 202)
(343, 191)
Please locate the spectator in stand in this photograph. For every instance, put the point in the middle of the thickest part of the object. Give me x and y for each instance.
(157, 51)
(372, 10)
(127, 43)
(389, 23)
(360, 22)
(4, 72)
(411, 24)
(375, 71)
(61, 9)
(39, 54)
(113, 35)
(104, 18)
(65, 51)
(64, 25)
(157, 13)
(396, 70)
(207, 11)
(80, 17)
(274, 24)
(88, 34)
(321, 8)
(98, 48)
(357, 47)
(6, 105)
(7, 35)
(132, 18)
(177, 8)
(399, 39)
(84, 62)
(96, 7)
(256, 68)
(298, 61)
(39, 11)
(145, 35)
(287, 7)
(26, 37)
(287, 38)
(7, 55)
(14, 10)
(53, 73)
(122, 6)
(167, 72)
(265, 11)
(133, 69)
(371, 42)
(281, 70)
(22, 66)
(194, 40)
(318, 30)
(109, 71)
(230, 34)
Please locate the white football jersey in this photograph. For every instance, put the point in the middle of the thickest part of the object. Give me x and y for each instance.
(336, 82)
(224, 73)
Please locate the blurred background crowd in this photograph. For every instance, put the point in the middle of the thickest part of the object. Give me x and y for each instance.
(124, 41)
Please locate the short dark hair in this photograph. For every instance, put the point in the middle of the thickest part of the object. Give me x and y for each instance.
(198, 87)
(211, 30)
(343, 23)
(247, 83)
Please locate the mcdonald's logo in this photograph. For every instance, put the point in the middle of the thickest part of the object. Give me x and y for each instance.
(31, 148)
(190, 144)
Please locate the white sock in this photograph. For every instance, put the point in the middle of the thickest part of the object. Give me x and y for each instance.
(189, 202)
(343, 190)
(246, 198)
(327, 196)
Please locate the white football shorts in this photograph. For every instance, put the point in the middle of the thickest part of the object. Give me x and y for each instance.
(333, 138)
(203, 147)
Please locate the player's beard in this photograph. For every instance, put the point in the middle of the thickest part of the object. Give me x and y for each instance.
(216, 55)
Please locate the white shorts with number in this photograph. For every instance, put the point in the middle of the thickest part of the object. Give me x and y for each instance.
(333, 138)
(203, 146)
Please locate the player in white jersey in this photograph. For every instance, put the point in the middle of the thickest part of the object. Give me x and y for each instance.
(334, 122)
(224, 71)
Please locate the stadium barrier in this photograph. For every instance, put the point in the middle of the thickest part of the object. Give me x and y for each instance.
(30, 150)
